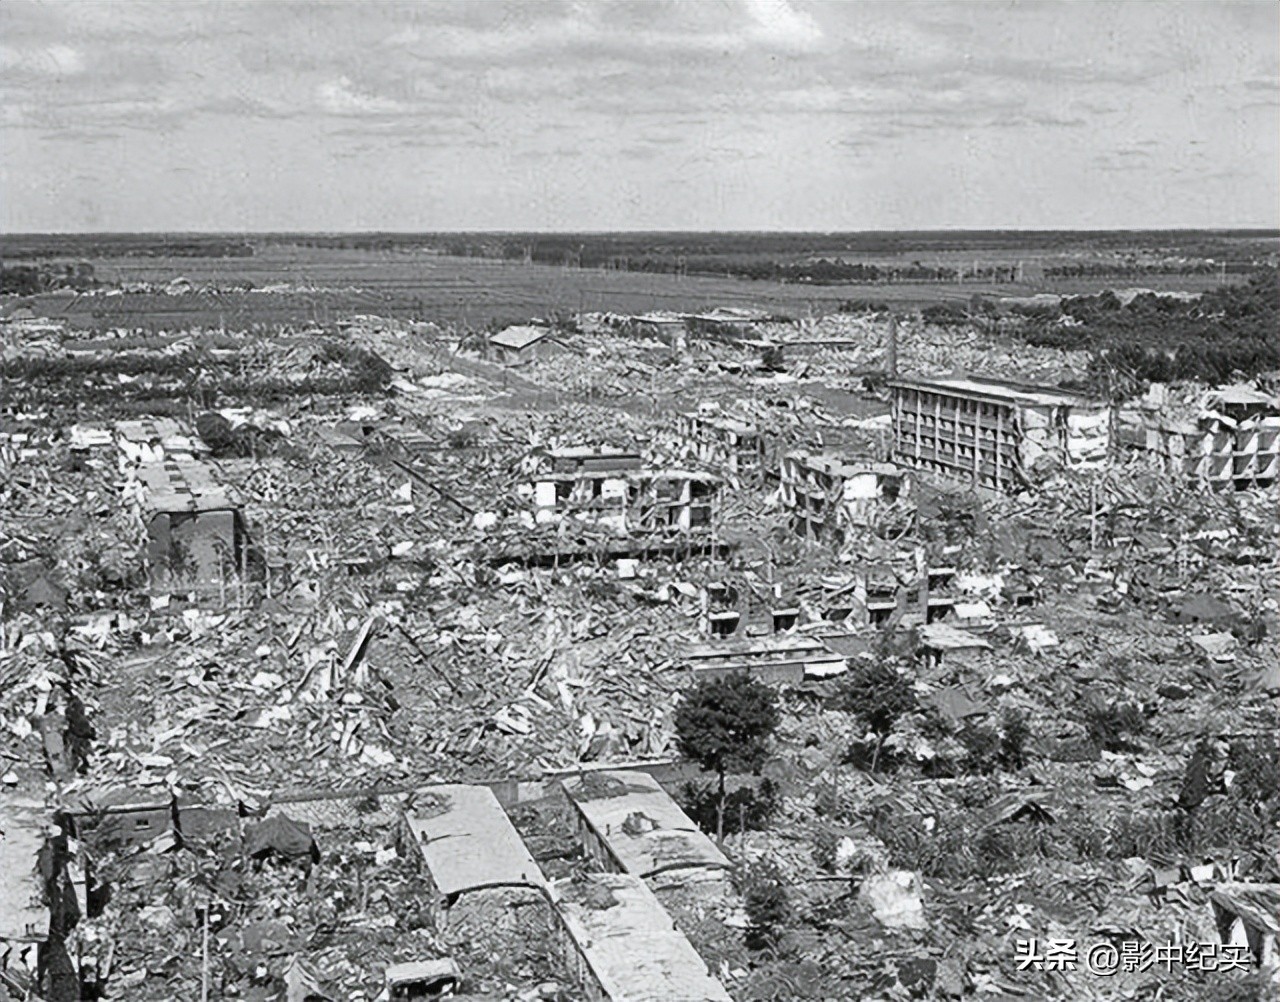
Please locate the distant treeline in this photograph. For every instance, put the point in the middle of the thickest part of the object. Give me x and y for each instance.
(29, 279)
(1227, 332)
(100, 245)
(1138, 269)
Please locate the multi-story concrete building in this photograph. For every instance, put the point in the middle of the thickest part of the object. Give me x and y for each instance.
(992, 433)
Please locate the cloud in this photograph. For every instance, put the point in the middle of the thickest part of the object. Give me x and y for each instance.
(54, 60)
(339, 97)
(770, 90)
(776, 23)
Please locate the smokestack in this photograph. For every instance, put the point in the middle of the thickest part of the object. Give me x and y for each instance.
(891, 357)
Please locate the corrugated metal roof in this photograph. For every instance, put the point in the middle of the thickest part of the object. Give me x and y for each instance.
(630, 942)
(644, 828)
(468, 842)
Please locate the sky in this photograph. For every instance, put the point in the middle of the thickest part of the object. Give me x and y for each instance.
(694, 115)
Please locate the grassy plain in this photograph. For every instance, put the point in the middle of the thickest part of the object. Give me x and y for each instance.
(327, 284)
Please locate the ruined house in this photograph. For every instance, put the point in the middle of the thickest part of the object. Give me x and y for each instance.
(24, 913)
(522, 345)
(196, 538)
(832, 499)
(1230, 441)
(612, 488)
(723, 443)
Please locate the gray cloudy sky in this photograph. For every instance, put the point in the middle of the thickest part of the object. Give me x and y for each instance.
(713, 114)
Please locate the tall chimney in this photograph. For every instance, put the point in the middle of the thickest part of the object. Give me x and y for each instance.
(891, 357)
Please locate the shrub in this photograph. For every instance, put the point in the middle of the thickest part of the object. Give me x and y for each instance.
(765, 899)
(1112, 726)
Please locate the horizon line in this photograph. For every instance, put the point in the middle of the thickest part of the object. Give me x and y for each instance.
(1273, 230)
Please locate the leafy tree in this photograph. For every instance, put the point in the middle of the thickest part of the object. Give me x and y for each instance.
(878, 695)
(726, 723)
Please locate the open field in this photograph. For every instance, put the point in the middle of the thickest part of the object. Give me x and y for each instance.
(321, 285)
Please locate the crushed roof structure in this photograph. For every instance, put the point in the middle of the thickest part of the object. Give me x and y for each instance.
(945, 637)
(24, 917)
(630, 944)
(467, 841)
(181, 484)
(642, 827)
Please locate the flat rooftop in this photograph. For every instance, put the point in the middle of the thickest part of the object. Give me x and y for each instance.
(630, 942)
(643, 827)
(468, 842)
(635, 475)
(1004, 391)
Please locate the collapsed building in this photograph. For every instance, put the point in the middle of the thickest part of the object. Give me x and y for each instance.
(831, 499)
(995, 434)
(1230, 440)
(629, 824)
(483, 888)
(196, 536)
(24, 913)
(724, 443)
(473, 859)
(614, 489)
(784, 661)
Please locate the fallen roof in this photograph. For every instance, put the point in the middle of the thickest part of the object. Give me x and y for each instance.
(725, 423)
(519, 337)
(181, 485)
(24, 917)
(630, 943)
(645, 830)
(997, 389)
(468, 842)
(944, 637)
(1244, 396)
(590, 452)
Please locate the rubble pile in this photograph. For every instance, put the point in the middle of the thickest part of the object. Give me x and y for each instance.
(1079, 742)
